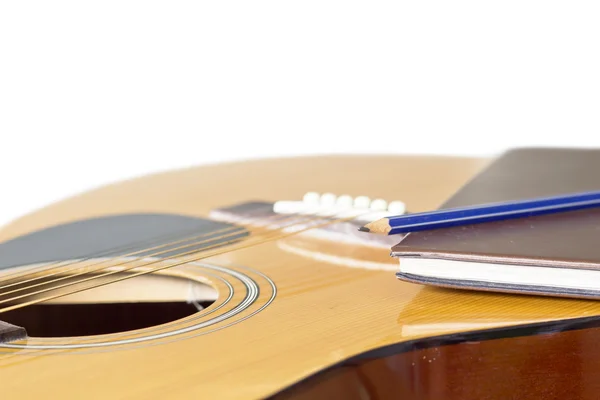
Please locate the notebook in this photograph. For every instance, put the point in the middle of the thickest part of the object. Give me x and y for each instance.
(555, 254)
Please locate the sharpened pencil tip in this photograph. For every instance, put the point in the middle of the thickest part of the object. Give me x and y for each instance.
(380, 226)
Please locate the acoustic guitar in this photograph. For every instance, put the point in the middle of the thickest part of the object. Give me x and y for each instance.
(190, 284)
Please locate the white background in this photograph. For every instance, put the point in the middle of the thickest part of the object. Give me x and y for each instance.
(92, 92)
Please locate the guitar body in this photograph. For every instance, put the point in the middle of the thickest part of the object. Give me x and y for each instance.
(292, 317)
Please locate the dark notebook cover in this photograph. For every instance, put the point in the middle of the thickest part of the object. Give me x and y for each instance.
(563, 240)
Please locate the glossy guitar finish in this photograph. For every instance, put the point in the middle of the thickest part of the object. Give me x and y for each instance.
(306, 318)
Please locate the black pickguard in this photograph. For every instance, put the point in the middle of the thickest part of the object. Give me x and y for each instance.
(118, 235)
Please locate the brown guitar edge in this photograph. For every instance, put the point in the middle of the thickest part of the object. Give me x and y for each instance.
(318, 385)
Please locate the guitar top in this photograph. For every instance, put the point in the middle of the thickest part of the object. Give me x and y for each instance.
(188, 284)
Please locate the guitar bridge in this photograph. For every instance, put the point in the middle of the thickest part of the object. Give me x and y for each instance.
(290, 216)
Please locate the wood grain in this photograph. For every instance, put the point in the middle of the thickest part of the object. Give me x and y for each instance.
(324, 311)
(523, 365)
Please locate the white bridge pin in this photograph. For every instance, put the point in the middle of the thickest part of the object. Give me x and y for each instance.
(328, 199)
(397, 207)
(344, 201)
(311, 198)
(362, 202)
(378, 205)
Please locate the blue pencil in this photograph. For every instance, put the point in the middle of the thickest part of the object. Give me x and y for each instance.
(483, 213)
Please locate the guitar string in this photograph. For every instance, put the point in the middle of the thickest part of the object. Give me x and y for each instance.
(109, 252)
(243, 245)
(87, 272)
(87, 258)
(103, 253)
(77, 265)
(16, 278)
(123, 263)
(234, 232)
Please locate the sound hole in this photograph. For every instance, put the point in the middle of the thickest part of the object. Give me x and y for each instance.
(136, 303)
